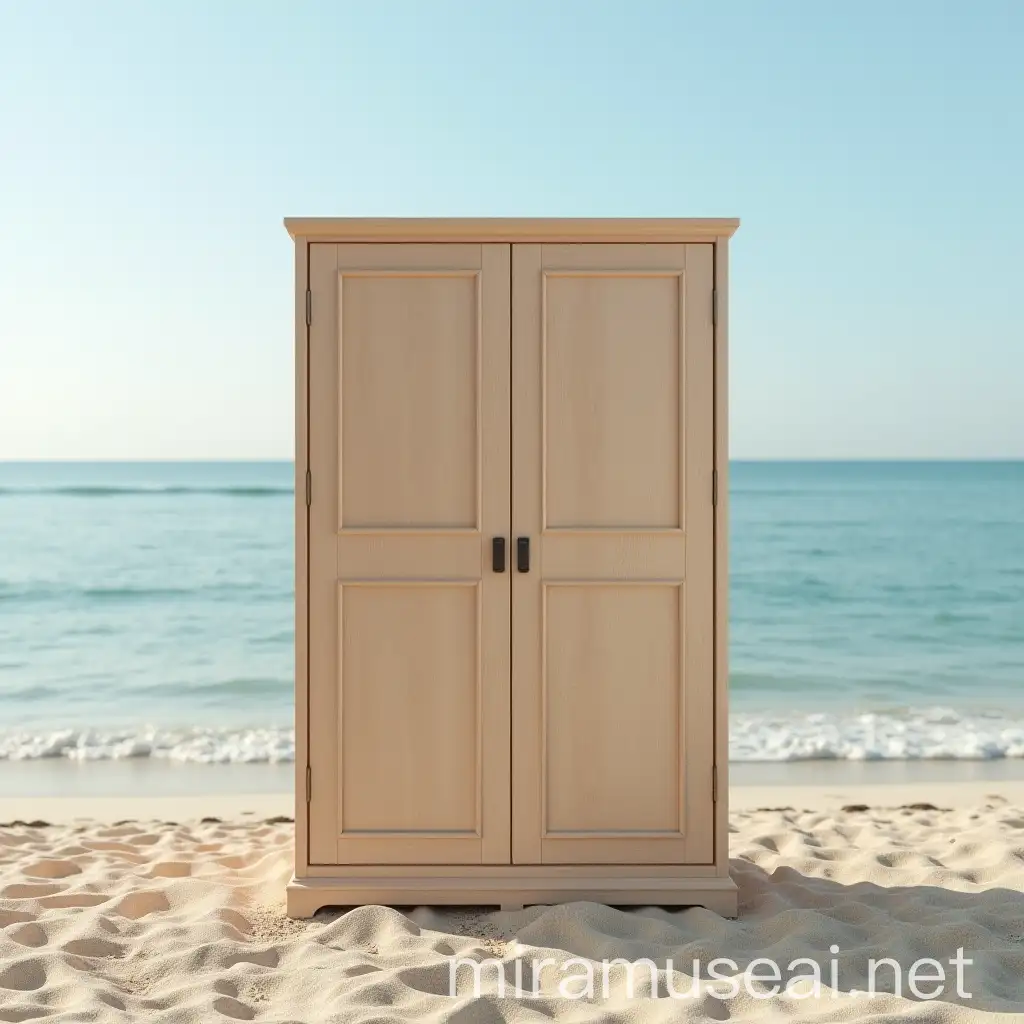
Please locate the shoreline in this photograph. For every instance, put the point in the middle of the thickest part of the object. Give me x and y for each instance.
(61, 792)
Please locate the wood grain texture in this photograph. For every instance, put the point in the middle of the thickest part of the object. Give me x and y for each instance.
(521, 871)
(511, 229)
(510, 889)
(410, 753)
(324, 727)
(611, 683)
(301, 385)
(721, 626)
(604, 394)
(409, 682)
(613, 726)
(527, 505)
(410, 399)
(596, 436)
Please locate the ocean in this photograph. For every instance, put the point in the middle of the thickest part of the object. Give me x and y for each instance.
(877, 611)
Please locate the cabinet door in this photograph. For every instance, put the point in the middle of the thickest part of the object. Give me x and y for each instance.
(612, 651)
(409, 627)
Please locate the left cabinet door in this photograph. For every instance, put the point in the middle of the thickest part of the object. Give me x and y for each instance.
(409, 624)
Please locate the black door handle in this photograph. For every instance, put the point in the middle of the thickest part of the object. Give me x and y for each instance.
(498, 554)
(523, 554)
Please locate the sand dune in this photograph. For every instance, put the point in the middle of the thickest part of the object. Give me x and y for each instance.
(184, 922)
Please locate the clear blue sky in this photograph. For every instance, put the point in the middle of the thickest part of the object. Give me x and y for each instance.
(148, 151)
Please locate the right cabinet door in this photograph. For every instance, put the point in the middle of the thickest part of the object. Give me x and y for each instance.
(612, 623)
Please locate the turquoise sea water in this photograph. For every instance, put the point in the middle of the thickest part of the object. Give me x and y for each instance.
(877, 611)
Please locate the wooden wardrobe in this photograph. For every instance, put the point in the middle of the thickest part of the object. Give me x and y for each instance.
(511, 562)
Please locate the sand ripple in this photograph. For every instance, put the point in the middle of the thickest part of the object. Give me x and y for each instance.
(184, 922)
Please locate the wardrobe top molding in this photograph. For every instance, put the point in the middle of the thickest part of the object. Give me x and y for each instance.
(511, 229)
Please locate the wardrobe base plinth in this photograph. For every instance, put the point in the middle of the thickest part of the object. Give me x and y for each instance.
(505, 891)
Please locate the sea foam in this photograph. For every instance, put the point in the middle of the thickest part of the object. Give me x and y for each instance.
(200, 746)
(911, 735)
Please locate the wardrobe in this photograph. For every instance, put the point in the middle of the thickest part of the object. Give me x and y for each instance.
(511, 575)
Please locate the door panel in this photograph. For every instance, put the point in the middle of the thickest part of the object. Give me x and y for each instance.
(612, 662)
(409, 627)
(413, 649)
(611, 380)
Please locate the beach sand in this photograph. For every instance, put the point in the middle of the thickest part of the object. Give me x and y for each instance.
(170, 918)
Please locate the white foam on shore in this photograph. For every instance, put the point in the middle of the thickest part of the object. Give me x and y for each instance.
(200, 746)
(921, 734)
(912, 735)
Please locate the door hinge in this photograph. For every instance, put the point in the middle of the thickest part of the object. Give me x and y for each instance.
(714, 307)
(714, 783)
(309, 488)
(714, 488)
(309, 307)
(309, 783)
